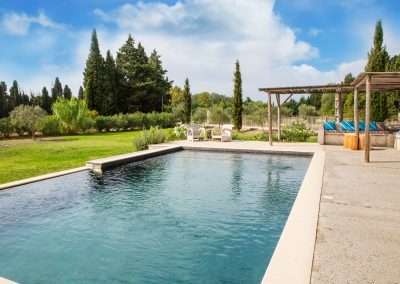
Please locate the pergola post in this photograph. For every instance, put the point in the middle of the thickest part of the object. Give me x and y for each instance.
(367, 117)
(278, 102)
(270, 118)
(338, 107)
(356, 129)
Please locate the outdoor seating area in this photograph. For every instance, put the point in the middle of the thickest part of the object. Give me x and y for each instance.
(196, 132)
(333, 133)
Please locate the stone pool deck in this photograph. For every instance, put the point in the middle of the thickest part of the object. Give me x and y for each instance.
(358, 236)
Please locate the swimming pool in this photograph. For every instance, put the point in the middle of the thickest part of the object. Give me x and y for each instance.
(189, 217)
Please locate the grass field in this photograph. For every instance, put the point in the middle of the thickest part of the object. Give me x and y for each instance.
(23, 158)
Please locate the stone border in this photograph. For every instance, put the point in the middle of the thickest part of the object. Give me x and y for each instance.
(42, 177)
(99, 165)
(293, 256)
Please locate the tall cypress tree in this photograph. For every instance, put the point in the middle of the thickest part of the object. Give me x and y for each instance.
(67, 93)
(187, 102)
(112, 77)
(3, 100)
(377, 61)
(80, 93)
(57, 90)
(237, 101)
(46, 101)
(15, 95)
(95, 80)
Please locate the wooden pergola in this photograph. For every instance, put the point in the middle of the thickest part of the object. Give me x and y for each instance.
(365, 82)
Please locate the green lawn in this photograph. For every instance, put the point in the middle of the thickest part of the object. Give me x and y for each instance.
(24, 158)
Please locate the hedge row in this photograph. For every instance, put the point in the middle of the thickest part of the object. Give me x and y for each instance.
(50, 126)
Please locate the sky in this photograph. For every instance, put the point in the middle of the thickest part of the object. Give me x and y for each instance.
(278, 42)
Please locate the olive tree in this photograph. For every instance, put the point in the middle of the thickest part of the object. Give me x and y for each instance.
(27, 118)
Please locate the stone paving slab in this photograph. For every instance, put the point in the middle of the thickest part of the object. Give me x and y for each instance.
(358, 236)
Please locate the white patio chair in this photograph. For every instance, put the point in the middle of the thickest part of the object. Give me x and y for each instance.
(224, 134)
(194, 132)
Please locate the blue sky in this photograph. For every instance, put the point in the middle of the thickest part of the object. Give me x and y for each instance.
(282, 42)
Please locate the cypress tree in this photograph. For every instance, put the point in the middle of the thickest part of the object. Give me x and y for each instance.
(95, 80)
(377, 62)
(237, 101)
(57, 90)
(15, 95)
(80, 93)
(67, 93)
(46, 101)
(187, 102)
(112, 77)
(3, 100)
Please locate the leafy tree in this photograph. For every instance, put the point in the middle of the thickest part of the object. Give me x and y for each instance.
(46, 101)
(187, 101)
(328, 104)
(179, 112)
(126, 70)
(377, 61)
(393, 98)
(159, 83)
(237, 101)
(307, 110)
(259, 117)
(57, 90)
(6, 127)
(81, 94)
(27, 118)
(315, 100)
(67, 92)
(293, 106)
(73, 114)
(348, 79)
(200, 115)
(218, 115)
(176, 95)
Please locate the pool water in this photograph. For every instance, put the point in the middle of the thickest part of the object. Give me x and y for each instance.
(187, 217)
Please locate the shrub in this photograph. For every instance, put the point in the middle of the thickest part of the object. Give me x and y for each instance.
(178, 133)
(50, 126)
(135, 120)
(119, 122)
(73, 115)
(26, 118)
(296, 131)
(147, 137)
(102, 123)
(6, 127)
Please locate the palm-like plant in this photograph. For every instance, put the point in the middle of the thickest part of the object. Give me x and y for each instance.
(73, 114)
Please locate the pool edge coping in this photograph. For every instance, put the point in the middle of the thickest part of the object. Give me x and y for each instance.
(41, 177)
(292, 259)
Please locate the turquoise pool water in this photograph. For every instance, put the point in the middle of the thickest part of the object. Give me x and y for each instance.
(187, 217)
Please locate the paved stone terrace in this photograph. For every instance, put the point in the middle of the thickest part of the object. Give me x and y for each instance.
(358, 236)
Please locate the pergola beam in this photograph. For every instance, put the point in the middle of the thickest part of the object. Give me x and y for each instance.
(367, 117)
(270, 119)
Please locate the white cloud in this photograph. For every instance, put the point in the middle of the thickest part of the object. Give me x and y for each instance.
(202, 39)
(314, 32)
(19, 23)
